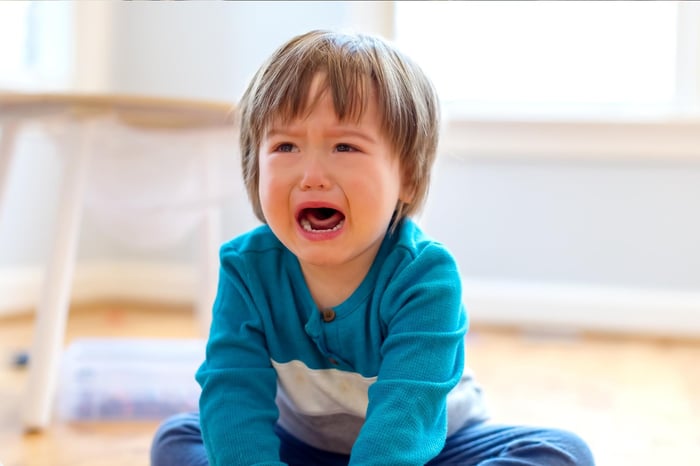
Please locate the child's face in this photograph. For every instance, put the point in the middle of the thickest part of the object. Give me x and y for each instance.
(328, 189)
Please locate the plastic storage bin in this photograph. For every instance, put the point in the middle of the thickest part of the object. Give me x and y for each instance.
(128, 379)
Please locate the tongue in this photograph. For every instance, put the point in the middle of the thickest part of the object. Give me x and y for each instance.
(323, 219)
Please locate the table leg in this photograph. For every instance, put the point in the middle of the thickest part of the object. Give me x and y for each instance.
(52, 312)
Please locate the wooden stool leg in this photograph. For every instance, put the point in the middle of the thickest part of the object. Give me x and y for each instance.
(7, 149)
(52, 312)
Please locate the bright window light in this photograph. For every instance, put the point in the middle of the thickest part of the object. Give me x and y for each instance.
(35, 45)
(14, 40)
(545, 57)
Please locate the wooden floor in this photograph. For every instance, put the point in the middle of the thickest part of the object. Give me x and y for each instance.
(636, 401)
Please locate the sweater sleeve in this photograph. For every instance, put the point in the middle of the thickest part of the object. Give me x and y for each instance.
(237, 403)
(422, 360)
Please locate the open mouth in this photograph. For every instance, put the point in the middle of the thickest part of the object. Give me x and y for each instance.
(320, 219)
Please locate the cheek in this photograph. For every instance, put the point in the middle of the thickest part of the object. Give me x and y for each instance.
(263, 183)
(267, 176)
(384, 188)
(266, 188)
(273, 192)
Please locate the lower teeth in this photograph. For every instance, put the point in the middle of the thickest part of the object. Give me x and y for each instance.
(306, 225)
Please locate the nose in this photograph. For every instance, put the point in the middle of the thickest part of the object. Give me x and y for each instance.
(315, 174)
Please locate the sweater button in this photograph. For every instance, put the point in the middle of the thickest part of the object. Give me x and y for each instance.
(328, 315)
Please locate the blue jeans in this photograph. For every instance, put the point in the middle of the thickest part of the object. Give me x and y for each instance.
(178, 442)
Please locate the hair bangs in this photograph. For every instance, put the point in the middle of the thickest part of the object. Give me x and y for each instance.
(350, 88)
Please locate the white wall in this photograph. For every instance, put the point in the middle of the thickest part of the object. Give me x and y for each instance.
(601, 242)
(617, 223)
(206, 50)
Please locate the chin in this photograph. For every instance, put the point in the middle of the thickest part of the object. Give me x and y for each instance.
(321, 260)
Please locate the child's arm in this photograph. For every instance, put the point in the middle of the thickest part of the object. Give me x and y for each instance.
(237, 404)
(422, 360)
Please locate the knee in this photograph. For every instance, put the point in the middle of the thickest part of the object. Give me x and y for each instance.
(176, 437)
(176, 428)
(567, 447)
(577, 447)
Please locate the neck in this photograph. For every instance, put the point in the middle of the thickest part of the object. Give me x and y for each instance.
(331, 285)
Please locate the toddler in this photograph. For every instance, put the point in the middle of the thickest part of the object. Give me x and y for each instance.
(338, 328)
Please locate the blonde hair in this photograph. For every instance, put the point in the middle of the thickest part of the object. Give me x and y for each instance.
(353, 65)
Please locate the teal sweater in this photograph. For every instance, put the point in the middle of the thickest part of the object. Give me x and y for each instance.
(369, 378)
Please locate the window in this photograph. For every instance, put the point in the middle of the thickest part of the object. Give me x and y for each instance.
(556, 58)
(35, 45)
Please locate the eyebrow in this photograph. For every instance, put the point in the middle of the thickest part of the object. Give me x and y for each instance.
(338, 131)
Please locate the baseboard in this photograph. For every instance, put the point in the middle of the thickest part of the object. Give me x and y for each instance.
(534, 305)
(584, 307)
